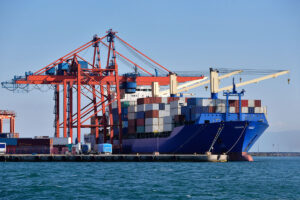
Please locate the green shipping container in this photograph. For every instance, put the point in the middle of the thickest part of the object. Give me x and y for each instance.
(140, 129)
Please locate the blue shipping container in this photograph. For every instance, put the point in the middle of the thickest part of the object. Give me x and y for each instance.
(194, 101)
(162, 106)
(250, 109)
(130, 91)
(9, 141)
(104, 148)
(140, 115)
(50, 71)
(63, 66)
(83, 64)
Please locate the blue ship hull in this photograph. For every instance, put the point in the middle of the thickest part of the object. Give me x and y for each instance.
(220, 137)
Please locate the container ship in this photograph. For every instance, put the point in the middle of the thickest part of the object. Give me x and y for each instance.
(136, 113)
(189, 125)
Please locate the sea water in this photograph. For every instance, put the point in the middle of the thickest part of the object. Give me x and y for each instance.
(265, 178)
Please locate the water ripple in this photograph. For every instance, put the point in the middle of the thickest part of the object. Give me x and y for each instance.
(266, 178)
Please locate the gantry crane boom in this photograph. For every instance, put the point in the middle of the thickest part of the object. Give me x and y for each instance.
(255, 80)
(197, 83)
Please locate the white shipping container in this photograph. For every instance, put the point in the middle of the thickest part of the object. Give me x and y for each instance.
(164, 99)
(258, 110)
(175, 111)
(174, 104)
(61, 141)
(167, 120)
(150, 121)
(207, 102)
(220, 102)
(2, 148)
(251, 103)
(232, 109)
(163, 113)
(132, 109)
(160, 121)
(89, 137)
(265, 110)
(132, 115)
(181, 100)
(245, 110)
(160, 128)
(154, 106)
(167, 107)
(141, 107)
(221, 109)
(167, 127)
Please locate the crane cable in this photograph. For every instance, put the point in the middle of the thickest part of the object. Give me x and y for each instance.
(141, 58)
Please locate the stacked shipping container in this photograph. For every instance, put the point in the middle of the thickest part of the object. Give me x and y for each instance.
(162, 114)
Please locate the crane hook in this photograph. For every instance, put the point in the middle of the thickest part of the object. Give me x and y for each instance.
(206, 87)
(240, 79)
(289, 80)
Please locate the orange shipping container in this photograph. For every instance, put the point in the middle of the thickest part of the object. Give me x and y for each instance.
(152, 114)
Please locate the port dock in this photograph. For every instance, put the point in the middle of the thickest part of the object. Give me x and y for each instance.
(114, 158)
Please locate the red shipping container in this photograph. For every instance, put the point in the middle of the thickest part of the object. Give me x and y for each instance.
(34, 142)
(131, 123)
(212, 109)
(233, 103)
(64, 150)
(179, 118)
(152, 114)
(140, 101)
(33, 149)
(237, 109)
(11, 149)
(156, 99)
(140, 122)
(131, 129)
(54, 150)
(170, 99)
(257, 103)
(149, 100)
(73, 150)
(244, 103)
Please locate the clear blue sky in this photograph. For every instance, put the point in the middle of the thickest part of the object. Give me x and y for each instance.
(181, 35)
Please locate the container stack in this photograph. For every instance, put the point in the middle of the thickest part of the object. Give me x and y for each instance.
(197, 106)
(132, 116)
(34, 146)
(11, 144)
(162, 114)
(124, 116)
(61, 145)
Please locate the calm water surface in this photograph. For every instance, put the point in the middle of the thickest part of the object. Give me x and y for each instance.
(266, 178)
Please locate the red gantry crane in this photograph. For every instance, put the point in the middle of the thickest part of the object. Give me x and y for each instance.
(11, 115)
(101, 85)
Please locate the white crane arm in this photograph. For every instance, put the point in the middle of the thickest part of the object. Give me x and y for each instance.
(255, 80)
(165, 92)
